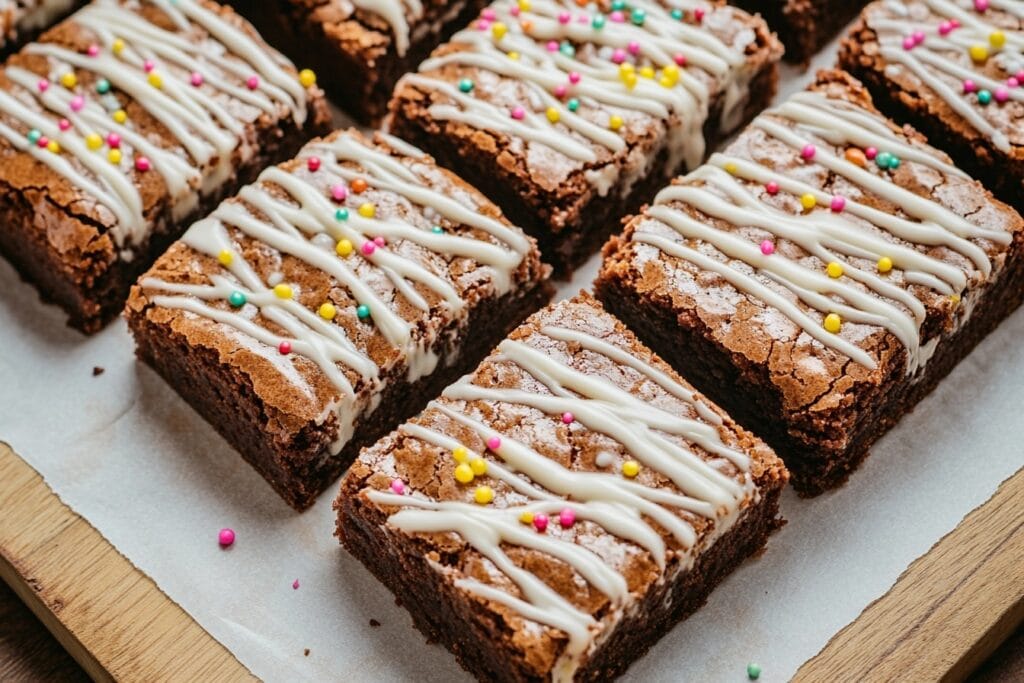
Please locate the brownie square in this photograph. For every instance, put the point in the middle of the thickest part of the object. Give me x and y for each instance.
(22, 21)
(804, 26)
(955, 71)
(819, 277)
(313, 312)
(123, 125)
(570, 118)
(360, 48)
(555, 513)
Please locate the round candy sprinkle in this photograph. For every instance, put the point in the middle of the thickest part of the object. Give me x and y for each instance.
(834, 269)
(884, 264)
(69, 80)
(598, 22)
(771, 187)
(360, 186)
(379, 241)
(767, 247)
(997, 39)
(808, 201)
(437, 230)
(969, 86)
(833, 323)
(43, 85)
(518, 113)
(465, 85)
(573, 104)
(838, 203)
(313, 164)
(339, 192)
(494, 443)
(567, 517)
(553, 115)
(93, 141)
(567, 418)
(540, 522)
(460, 454)
(479, 466)
(196, 79)
(283, 291)
(53, 146)
(64, 124)
(978, 52)
(526, 517)
(114, 140)
(367, 210)
(236, 299)
(284, 348)
(808, 152)
(34, 135)
(856, 156)
(615, 122)
(883, 159)
(464, 473)
(42, 142)
(148, 65)
(483, 495)
(908, 43)
(731, 168)
(252, 82)
(398, 486)
(981, 5)
(114, 156)
(1002, 95)
(307, 78)
(368, 248)
(870, 153)
(77, 103)
(117, 47)
(498, 30)
(984, 97)
(156, 80)
(142, 164)
(341, 214)
(226, 538)
(630, 468)
(561, 90)
(363, 311)
(343, 248)
(295, 585)
(120, 116)
(327, 311)
(103, 86)
(225, 257)
(753, 671)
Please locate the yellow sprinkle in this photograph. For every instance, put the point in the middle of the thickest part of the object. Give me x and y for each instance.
(460, 454)
(367, 210)
(884, 264)
(526, 517)
(954, 299)
(808, 201)
(513, 55)
(626, 68)
(53, 146)
(833, 323)
(156, 80)
(615, 122)
(327, 311)
(647, 71)
(464, 473)
(307, 78)
(120, 116)
(118, 46)
(479, 466)
(483, 495)
(69, 80)
(731, 168)
(979, 53)
(834, 269)
(630, 468)
(498, 30)
(344, 248)
(671, 70)
(553, 115)
(283, 291)
(93, 141)
(667, 82)
(630, 80)
(225, 257)
(114, 156)
(524, 5)
(997, 39)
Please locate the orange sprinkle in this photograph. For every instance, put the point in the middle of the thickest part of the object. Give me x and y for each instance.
(856, 156)
(526, 25)
(359, 186)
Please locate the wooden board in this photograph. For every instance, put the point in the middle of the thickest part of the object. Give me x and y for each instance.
(944, 616)
(110, 616)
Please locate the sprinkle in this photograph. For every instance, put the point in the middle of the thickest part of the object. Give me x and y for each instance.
(997, 39)
(647, 72)
(767, 247)
(969, 86)
(53, 146)
(518, 113)
(118, 46)
(156, 80)
(918, 37)
(753, 671)
(870, 153)
(564, 17)
(114, 140)
(466, 85)
(984, 97)
(360, 186)
(833, 323)
(295, 585)
(483, 495)
(284, 348)
(363, 311)
(226, 538)
(252, 82)
(494, 443)
(114, 156)
(339, 192)
(808, 152)
(540, 522)
(954, 299)
(236, 299)
(313, 164)
(618, 56)
(838, 203)
(103, 86)
(981, 5)
(553, 115)
(567, 517)
(196, 79)
(42, 141)
(437, 230)
(856, 156)
(341, 214)
(731, 168)
(883, 159)
(464, 473)
(92, 50)
(884, 264)
(598, 22)
(526, 517)
(978, 52)
(908, 43)
(398, 486)
(368, 247)
(367, 210)
(808, 201)
(698, 15)
(148, 65)
(561, 90)
(479, 466)
(568, 418)
(1002, 95)
(679, 58)
(945, 28)
(460, 454)
(834, 269)
(327, 311)
(307, 78)
(637, 16)
(43, 85)
(283, 291)
(771, 187)
(64, 124)
(69, 80)
(498, 30)
(120, 116)
(630, 468)
(573, 104)
(142, 164)
(615, 122)
(574, 77)
(93, 141)
(34, 135)
(225, 257)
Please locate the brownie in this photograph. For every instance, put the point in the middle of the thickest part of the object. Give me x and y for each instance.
(123, 125)
(955, 71)
(554, 514)
(309, 315)
(359, 47)
(804, 26)
(569, 118)
(819, 277)
(20, 21)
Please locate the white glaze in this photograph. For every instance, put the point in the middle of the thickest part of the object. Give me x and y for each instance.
(397, 13)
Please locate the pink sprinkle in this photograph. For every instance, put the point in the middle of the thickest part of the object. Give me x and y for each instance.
(617, 17)
(43, 85)
(42, 142)
(680, 59)
(969, 86)
(1012, 82)
(908, 43)
(955, 23)
(398, 486)
(253, 82)
(295, 585)
(518, 113)
(552, 46)
(561, 90)
(148, 65)
(114, 140)
(871, 153)
(196, 79)
(808, 152)
(583, 19)
(1019, 76)
(339, 192)
(981, 5)
(767, 247)
(77, 102)
(564, 17)
(838, 203)
(63, 124)
(226, 538)
(633, 47)
(568, 418)
(93, 50)
(772, 187)
(142, 164)
(379, 241)
(313, 164)
(368, 248)
(618, 55)
(540, 522)
(494, 443)
(574, 77)
(489, 14)
(945, 28)
(567, 517)
(483, 25)
(698, 15)
(1001, 95)
(918, 37)
(284, 348)
(515, 10)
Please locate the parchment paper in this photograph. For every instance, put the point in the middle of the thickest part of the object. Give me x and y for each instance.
(131, 457)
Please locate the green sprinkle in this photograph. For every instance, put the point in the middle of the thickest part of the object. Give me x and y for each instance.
(638, 16)
(883, 160)
(34, 135)
(894, 162)
(466, 85)
(677, 14)
(437, 230)
(567, 49)
(598, 21)
(341, 214)
(573, 104)
(618, 5)
(753, 671)
(236, 299)
(363, 311)
(984, 97)
(103, 86)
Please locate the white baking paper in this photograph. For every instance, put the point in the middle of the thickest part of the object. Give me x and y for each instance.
(131, 457)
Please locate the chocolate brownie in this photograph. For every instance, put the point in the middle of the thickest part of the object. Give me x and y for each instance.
(819, 277)
(554, 514)
(124, 124)
(804, 26)
(329, 301)
(22, 20)
(954, 70)
(569, 118)
(359, 47)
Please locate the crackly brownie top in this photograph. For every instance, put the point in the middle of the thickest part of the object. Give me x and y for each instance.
(967, 53)
(336, 273)
(21, 15)
(571, 472)
(133, 106)
(825, 243)
(375, 25)
(575, 89)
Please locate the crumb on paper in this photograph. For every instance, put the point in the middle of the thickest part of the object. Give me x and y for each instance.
(97, 371)
(305, 653)
(374, 623)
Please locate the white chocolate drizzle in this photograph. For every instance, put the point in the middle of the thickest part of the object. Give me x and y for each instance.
(397, 13)
(203, 120)
(860, 295)
(617, 505)
(303, 223)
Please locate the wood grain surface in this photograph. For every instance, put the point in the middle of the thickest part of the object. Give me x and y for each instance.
(948, 612)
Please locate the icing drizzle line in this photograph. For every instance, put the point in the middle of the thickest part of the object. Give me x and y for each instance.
(848, 291)
(310, 224)
(616, 504)
(397, 13)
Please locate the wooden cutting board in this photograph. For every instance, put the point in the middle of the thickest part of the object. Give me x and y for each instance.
(944, 616)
